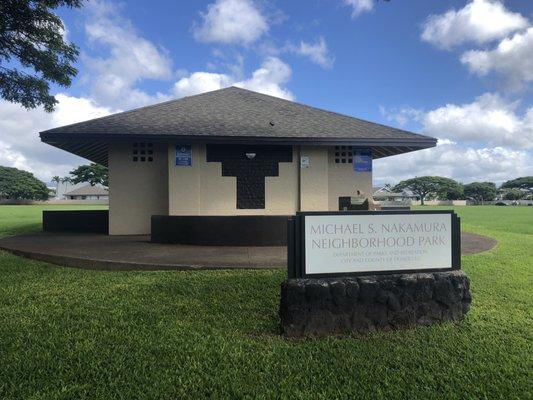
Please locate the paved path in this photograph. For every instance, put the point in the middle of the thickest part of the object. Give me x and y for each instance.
(137, 253)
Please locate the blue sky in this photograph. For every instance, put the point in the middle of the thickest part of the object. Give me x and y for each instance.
(461, 71)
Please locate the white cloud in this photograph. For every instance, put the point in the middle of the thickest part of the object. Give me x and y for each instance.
(130, 59)
(483, 140)
(268, 79)
(231, 21)
(480, 21)
(489, 119)
(401, 116)
(317, 52)
(513, 58)
(200, 82)
(70, 110)
(359, 6)
(12, 158)
(449, 159)
(20, 146)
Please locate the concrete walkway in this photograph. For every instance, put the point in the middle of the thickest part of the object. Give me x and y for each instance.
(104, 252)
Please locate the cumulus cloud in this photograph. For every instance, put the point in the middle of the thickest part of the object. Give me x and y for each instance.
(200, 82)
(480, 21)
(269, 79)
(512, 58)
(402, 115)
(130, 58)
(317, 52)
(20, 146)
(486, 139)
(452, 160)
(231, 21)
(489, 119)
(359, 6)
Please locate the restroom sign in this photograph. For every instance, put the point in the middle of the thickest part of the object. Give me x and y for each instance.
(183, 155)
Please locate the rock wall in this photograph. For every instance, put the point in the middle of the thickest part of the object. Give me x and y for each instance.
(318, 307)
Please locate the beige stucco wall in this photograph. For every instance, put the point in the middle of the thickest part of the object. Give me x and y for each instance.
(324, 181)
(314, 179)
(344, 181)
(137, 190)
(202, 190)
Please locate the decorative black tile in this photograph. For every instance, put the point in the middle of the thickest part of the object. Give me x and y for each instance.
(250, 165)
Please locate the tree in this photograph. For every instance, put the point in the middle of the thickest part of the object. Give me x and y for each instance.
(450, 190)
(65, 181)
(56, 179)
(34, 52)
(525, 182)
(481, 191)
(93, 174)
(513, 194)
(21, 185)
(425, 186)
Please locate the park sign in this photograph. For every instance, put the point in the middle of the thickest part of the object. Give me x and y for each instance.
(324, 244)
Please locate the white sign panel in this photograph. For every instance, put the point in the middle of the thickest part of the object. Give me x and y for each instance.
(377, 242)
(304, 162)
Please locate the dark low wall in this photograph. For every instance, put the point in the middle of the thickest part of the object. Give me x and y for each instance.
(319, 307)
(241, 230)
(80, 221)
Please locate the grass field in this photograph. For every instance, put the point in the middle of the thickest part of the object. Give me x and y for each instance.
(77, 334)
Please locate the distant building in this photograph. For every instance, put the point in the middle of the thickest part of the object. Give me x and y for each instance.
(88, 192)
(387, 194)
(62, 187)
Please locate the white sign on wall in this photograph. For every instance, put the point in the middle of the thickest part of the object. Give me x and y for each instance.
(304, 162)
(369, 242)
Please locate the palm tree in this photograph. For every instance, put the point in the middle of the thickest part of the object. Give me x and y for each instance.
(56, 179)
(66, 180)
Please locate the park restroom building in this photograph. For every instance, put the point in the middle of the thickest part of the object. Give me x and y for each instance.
(229, 153)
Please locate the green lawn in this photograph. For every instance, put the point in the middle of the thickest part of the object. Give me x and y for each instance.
(76, 334)
(15, 220)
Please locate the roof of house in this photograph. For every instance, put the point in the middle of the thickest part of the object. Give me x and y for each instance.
(380, 189)
(89, 190)
(232, 115)
(389, 194)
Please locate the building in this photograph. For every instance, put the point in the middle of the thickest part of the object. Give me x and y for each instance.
(88, 192)
(230, 152)
(62, 187)
(385, 193)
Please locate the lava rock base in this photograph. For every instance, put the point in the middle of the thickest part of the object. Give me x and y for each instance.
(319, 307)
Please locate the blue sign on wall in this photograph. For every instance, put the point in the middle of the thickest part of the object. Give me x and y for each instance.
(183, 155)
(362, 160)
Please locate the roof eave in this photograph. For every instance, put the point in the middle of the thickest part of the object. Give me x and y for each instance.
(418, 140)
(94, 147)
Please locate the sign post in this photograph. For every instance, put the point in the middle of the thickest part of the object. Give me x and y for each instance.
(361, 271)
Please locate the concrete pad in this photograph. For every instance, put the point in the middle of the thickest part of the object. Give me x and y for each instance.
(103, 252)
(95, 251)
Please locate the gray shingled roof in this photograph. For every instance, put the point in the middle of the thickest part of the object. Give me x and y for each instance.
(232, 114)
(89, 190)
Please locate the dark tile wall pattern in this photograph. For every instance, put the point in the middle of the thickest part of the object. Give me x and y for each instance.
(249, 171)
